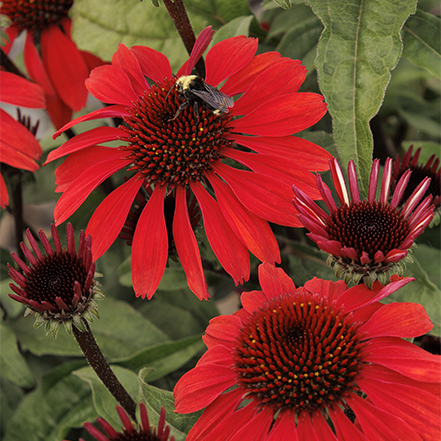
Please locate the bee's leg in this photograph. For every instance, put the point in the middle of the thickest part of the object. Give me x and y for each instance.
(196, 112)
(181, 107)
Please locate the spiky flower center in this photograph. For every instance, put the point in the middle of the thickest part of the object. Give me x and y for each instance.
(298, 353)
(171, 147)
(54, 276)
(35, 15)
(368, 226)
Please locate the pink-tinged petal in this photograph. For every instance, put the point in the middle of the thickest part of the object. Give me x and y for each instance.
(187, 247)
(326, 288)
(231, 253)
(268, 200)
(405, 320)
(253, 300)
(85, 183)
(416, 196)
(378, 424)
(86, 139)
(274, 281)
(364, 258)
(20, 92)
(201, 43)
(240, 81)
(379, 256)
(254, 232)
(283, 115)
(373, 180)
(154, 65)
(420, 214)
(353, 182)
(328, 246)
(405, 358)
(222, 330)
(339, 182)
(400, 189)
(76, 163)
(284, 428)
(65, 66)
(286, 171)
(395, 256)
(4, 197)
(304, 428)
(307, 154)
(385, 183)
(106, 112)
(201, 386)
(214, 417)
(110, 84)
(126, 60)
(150, 246)
(108, 219)
(326, 194)
(344, 428)
(256, 428)
(360, 295)
(308, 207)
(228, 57)
(310, 223)
(284, 76)
(417, 407)
(349, 252)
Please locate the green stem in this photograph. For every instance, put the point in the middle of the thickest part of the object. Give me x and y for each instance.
(99, 364)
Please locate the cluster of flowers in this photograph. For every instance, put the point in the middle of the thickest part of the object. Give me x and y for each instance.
(322, 361)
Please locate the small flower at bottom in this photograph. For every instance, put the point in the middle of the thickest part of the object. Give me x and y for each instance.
(129, 433)
(431, 169)
(58, 286)
(320, 362)
(366, 239)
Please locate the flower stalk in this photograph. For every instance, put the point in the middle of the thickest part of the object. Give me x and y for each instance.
(99, 364)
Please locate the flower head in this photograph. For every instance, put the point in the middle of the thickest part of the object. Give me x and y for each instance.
(18, 146)
(238, 165)
(295, 362)
(431, 169)
(366, 239)
(58, 286)
(51, 57)
(129, 433)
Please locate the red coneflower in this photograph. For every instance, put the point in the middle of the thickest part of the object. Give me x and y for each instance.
(58, 286)
(431, 169)
(321, 362)
(18, 146)
(130, 433)
(51, 57)
(366, 239)
(172, 148)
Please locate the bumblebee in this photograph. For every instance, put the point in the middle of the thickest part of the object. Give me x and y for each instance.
(193, 90)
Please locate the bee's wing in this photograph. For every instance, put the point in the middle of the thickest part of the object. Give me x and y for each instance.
(215, 98)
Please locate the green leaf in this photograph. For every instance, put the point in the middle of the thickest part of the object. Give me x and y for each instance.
(155, 398)
(104, 402)
(426, 288)
(164, 358)
(285, 4)
(358, 48)
(237, 26)
(120, 332)
(10, 397)
(47, 415)
(13, 366)
(422, 41)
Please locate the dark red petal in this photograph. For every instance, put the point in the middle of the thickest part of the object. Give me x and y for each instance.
(85, 183)
(227, 57)
(229, 250)
(108, 219)
(267, 199)
(405, 320)
(154, 65)
(150, 246)
(274, 281)
(127, 61)
(110, 84)
(283, 115)
(20, 92)
(65, 67)
(187, 247)
(86, 139)
(254, 232)
(201, 43)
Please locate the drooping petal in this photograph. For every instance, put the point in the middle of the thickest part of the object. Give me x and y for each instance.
(20, 92)
(16, 158)
(65, 67)
(150, 246)
(108, 219)
(4, 197)
(187, 247)
(154, 65)
(201, 43)
(231, 253)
